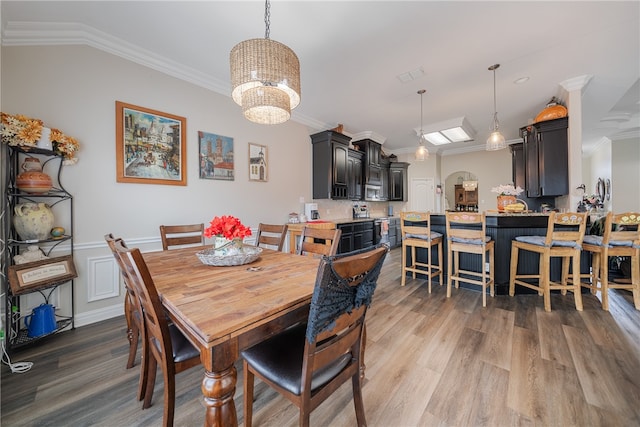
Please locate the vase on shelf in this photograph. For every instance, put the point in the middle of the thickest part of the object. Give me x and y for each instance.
(504, 200)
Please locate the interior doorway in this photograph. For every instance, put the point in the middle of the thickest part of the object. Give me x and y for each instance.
(422, 195)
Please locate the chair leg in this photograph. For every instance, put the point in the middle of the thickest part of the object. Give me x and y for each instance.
(169, 396)
(577, 293)
(357, 401)
(514, 270)
(144, 360)
(404, 265)
(248, 394)
(152, 367)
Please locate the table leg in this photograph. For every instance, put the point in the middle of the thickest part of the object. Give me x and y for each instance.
(218, 389)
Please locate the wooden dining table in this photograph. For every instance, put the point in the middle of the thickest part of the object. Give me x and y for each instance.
(224, 310)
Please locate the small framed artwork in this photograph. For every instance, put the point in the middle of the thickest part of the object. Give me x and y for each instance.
(38, 274)
(216, 156)
(258, 163)
(150, 146)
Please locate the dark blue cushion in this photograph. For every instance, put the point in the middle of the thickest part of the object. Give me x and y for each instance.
(434, 235)
(540, 241)
(470, 241)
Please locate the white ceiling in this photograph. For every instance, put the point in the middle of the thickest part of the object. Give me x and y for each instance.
(351, 53)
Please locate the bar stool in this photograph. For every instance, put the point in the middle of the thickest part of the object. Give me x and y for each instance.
(621, 238)
(415, 228)
(467, 233)
(565, 232)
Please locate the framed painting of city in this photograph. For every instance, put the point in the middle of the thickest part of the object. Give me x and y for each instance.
(216, 156)
(258, 163)
(150, 146)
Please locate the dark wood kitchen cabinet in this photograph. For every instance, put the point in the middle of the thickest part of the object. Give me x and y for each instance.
(398, 181)
(330, 165)
(355, 235)
(384, 179)
(546, 155)
(372, 169)
(354, 174)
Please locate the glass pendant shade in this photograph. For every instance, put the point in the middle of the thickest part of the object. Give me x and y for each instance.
(422, 153)
(265, 78)
(496, 140)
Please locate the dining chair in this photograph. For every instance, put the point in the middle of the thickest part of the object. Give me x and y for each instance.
(180, 235)
(621, 237)
(271, 235)
(167, 346)
(133, 316)
(565, 233)
(415, 228)
(467, 233)
(319, 241)
(308, 362)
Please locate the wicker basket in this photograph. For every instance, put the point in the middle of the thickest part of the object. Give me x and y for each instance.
(247, 255)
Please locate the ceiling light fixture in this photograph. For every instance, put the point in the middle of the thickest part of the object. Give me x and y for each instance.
(448, 131)
(265, 78)
(496, 139)
(421, 153)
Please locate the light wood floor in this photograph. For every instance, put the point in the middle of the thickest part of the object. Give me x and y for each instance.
(431, 361)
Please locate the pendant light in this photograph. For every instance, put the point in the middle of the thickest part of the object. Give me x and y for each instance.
(496, 139)
(265, 78)
(421, 153)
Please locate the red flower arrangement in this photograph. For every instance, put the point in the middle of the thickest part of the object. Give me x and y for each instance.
(227, 226)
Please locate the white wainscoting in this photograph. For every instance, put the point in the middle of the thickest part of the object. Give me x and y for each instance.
(104, 278)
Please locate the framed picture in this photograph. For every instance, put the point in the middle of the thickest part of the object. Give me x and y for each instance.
(258, 163)
(38, 274)
(150, 146)
(216, 156)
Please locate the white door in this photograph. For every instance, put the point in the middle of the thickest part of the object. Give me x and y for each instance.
(422, 194)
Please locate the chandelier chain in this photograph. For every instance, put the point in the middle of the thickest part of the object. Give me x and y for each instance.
(267, 18)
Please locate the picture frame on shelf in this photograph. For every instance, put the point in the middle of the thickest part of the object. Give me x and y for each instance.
(258, 162)
(216, 156)
(30, 276)
(151, 146)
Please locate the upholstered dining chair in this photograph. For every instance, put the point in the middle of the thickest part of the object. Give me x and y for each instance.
(271, 235)
(467, 233)
(167, 346)
(318, 241)
(415, 228)
(133, 316)
(181, 235)
(308, 362)
(621, 237)
(565, 233)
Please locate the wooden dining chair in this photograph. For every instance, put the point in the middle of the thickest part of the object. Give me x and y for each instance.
(621, 237)
(415, 228)
(271, 235)
(467, 233)
(167, 346)
(319, 241)
(565, 233)
(133, 316)
(174, 236)
(308, 362)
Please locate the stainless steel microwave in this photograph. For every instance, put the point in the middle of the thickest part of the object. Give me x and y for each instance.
(372, 192)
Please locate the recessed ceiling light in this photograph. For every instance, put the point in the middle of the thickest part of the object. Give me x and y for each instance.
(521, 80)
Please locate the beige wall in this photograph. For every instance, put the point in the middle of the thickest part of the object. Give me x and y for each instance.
(74, 88)
(625, 175)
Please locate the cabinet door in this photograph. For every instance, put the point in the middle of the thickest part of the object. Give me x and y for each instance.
(340, 172)
(471, 197)
(532, 172)
(354, 172)
(396, 184)
(553, 155)
(518, 165)
(384, 179)
(373, 154)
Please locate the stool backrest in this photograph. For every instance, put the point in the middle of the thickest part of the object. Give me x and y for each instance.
(622, 227)
(466, 225)
(568, 226)
(415, 224)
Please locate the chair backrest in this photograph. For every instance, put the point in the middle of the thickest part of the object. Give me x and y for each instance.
(180, 235)
(343, 291)
(271, 235)
(466, 226)
(318, 241)
(156, 326)
(622, 227)
(566, 227)
(415, 225)
(131, 292)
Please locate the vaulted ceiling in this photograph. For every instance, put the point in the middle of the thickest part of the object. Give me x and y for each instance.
(352, 54)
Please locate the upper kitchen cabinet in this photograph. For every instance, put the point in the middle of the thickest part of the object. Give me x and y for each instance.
(372, 169)
(354, 174)
(546, 155)
(330, 165)
(398, 181)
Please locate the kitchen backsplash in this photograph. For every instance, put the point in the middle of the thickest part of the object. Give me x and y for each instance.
(340, 209)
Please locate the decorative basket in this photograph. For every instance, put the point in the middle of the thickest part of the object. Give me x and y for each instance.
(246, 255)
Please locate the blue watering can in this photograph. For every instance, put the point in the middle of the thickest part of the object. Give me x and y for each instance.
(41, 321)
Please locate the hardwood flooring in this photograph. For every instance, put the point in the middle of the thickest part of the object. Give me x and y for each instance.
(431, 361)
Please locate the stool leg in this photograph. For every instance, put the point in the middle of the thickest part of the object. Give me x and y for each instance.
(429, 266)
(404, 265)
(413, 260)
(450, 265)
(514, 269)
(491, 272)
(441, 274)
(543, 281)
(635, 278)
(484, 279)
(604, 278)
(577, 294)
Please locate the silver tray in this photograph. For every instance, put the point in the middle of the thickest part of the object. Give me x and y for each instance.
(248, 255)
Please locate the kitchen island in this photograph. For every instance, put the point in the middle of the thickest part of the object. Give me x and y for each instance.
(503, 228)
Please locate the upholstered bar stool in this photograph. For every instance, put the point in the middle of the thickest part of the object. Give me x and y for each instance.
(467, 233)
(565, 232)
(621, 238)
(416, 233)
